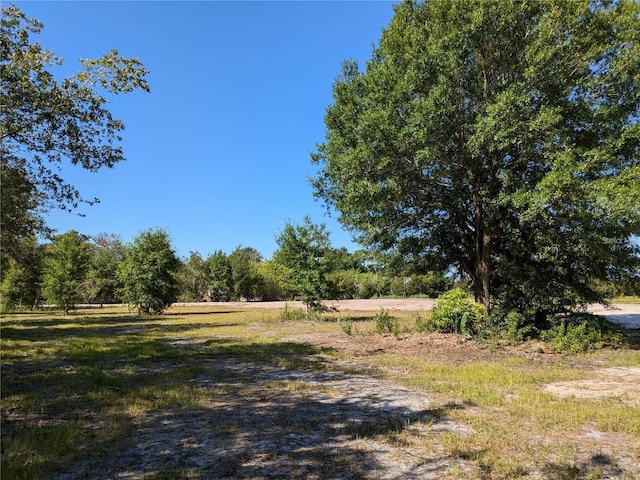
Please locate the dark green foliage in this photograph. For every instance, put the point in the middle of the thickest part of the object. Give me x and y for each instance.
(220, 284)
(20, 213)
(512, 325)
(21, 276)
(304, 249)
(149, 272)
(242, 274)
(44, 121)
(499, 138)
(193, 277)
(272, 279)
(102, 284)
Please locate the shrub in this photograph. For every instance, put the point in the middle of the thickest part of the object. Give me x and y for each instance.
(385, 323)
(511, 325)
(456, 312)
(582, 333)
(292, 313)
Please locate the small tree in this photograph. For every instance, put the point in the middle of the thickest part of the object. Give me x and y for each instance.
(220, 282)
(102, 285)
(66, 265)
(304, 249)
(193, 278)
(241, 272)
(149, 272)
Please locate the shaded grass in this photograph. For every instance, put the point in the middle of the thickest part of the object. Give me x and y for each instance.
(78, 384)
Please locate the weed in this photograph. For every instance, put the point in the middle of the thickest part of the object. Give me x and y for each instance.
(289, 314)
(385, 323)
(582, 333)
(422, 324)
(346, 325)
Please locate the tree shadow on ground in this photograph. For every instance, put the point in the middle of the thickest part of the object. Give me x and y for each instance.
(63, 329)
(118, 404)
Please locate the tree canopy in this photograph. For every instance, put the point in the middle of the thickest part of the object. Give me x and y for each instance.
(500, 138)
(46, 122)
(149, 272)
(66, 266)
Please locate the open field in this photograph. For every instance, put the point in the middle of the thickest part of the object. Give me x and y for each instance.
(231, 391)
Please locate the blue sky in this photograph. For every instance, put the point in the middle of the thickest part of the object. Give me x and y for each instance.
(218, 152)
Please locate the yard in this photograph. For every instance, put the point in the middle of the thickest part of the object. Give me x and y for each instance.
(228, 391)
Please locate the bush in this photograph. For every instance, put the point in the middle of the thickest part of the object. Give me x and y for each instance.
(511, 325)
(456, 312)
(385, 323)
(582, 333)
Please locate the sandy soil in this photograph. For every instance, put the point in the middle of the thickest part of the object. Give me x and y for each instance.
(617, 382)
(361, 305)
(318, 429)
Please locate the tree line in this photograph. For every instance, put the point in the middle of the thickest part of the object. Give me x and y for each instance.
(73, 268)
(496, 143)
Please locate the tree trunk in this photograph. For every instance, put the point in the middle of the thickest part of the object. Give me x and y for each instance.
(482, 277)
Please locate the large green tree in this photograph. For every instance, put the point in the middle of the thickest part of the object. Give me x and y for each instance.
(498, 137)
(66, 264)
(149, 272)
(46, 122)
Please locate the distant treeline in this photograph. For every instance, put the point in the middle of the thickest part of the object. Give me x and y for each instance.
(89, 270)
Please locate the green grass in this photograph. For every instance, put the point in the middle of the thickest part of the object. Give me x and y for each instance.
(504, 403)
(77, 387)
(81, 383)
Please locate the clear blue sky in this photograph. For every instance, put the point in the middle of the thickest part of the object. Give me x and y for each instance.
(218, 152)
